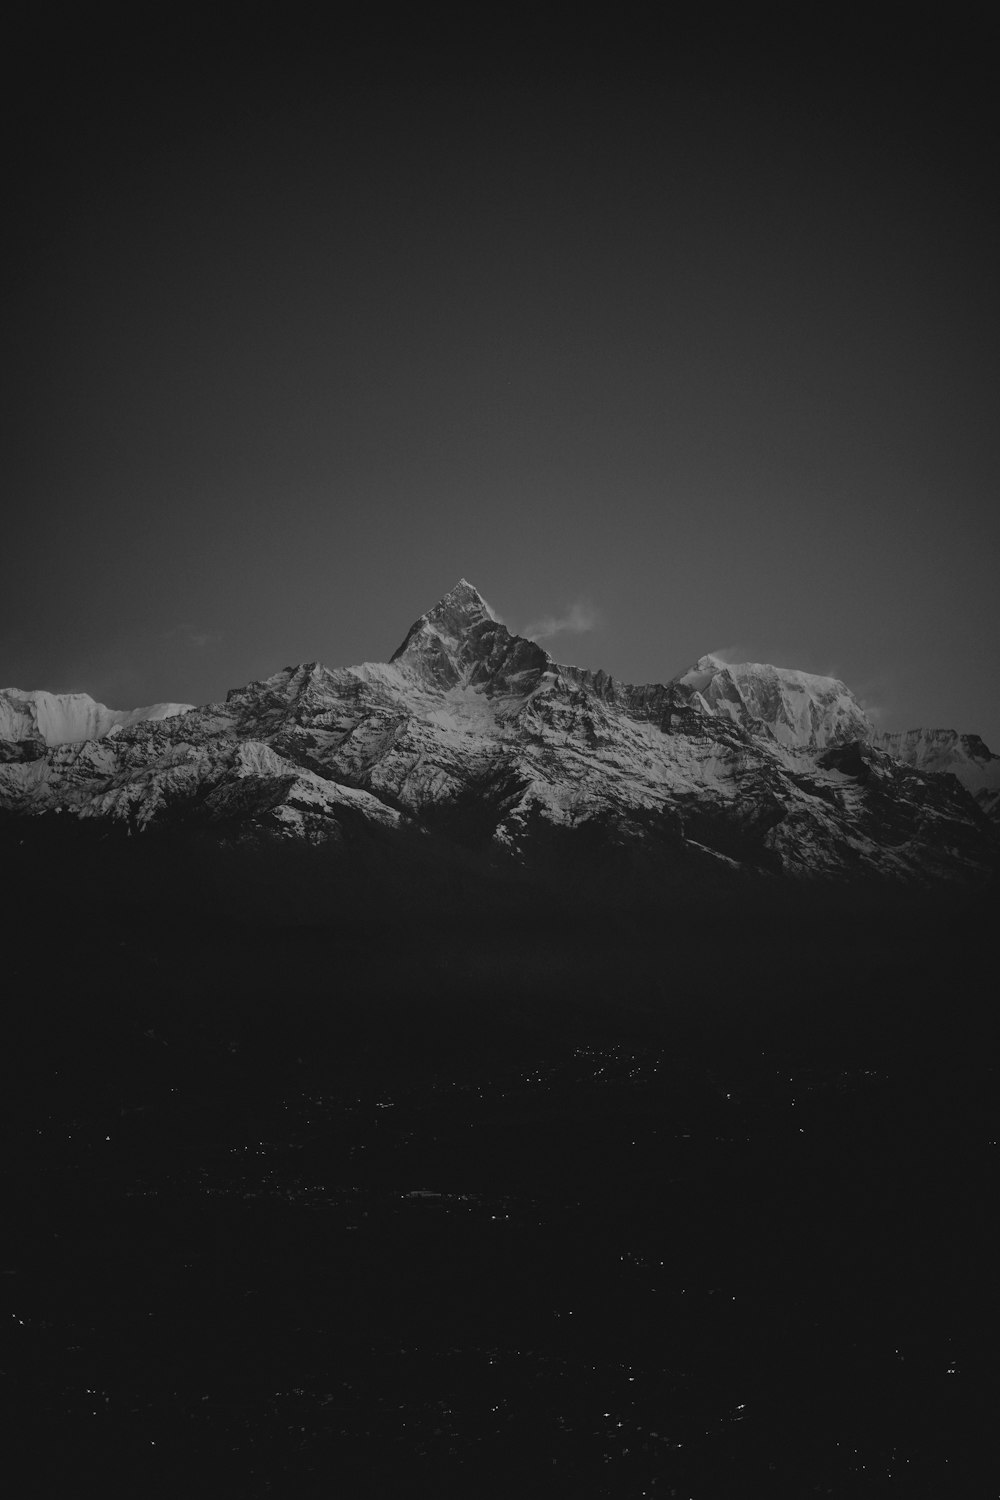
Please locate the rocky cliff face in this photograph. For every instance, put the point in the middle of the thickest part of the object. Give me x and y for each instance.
(476, 736)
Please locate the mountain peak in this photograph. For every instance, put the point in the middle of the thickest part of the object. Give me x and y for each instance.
(462, 609)
(801, 709)
(461, 640)
(465, 596)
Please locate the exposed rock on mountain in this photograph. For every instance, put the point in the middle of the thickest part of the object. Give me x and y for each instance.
(475, 736)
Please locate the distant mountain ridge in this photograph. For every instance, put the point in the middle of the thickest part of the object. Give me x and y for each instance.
(476, 736)
(31, 722)
(942, 751)
(801, 710)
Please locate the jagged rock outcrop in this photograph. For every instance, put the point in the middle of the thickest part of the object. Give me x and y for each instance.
(475, 735)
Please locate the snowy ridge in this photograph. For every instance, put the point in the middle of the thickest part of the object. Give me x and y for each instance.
(944, 752)
(39, 719)
(801, 710)
(476, 735)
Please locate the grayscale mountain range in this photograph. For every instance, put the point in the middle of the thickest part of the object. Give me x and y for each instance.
(476, 736)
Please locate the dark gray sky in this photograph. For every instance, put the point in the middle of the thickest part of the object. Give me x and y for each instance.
(686, 339)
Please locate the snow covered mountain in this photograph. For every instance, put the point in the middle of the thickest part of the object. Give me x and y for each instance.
(943, 752)
(476, 737)
(802, 711)
(32, 722)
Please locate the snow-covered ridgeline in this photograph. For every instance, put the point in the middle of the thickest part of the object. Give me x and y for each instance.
(802, 710)
(472, 728)
(49, 719)
(940, 751)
